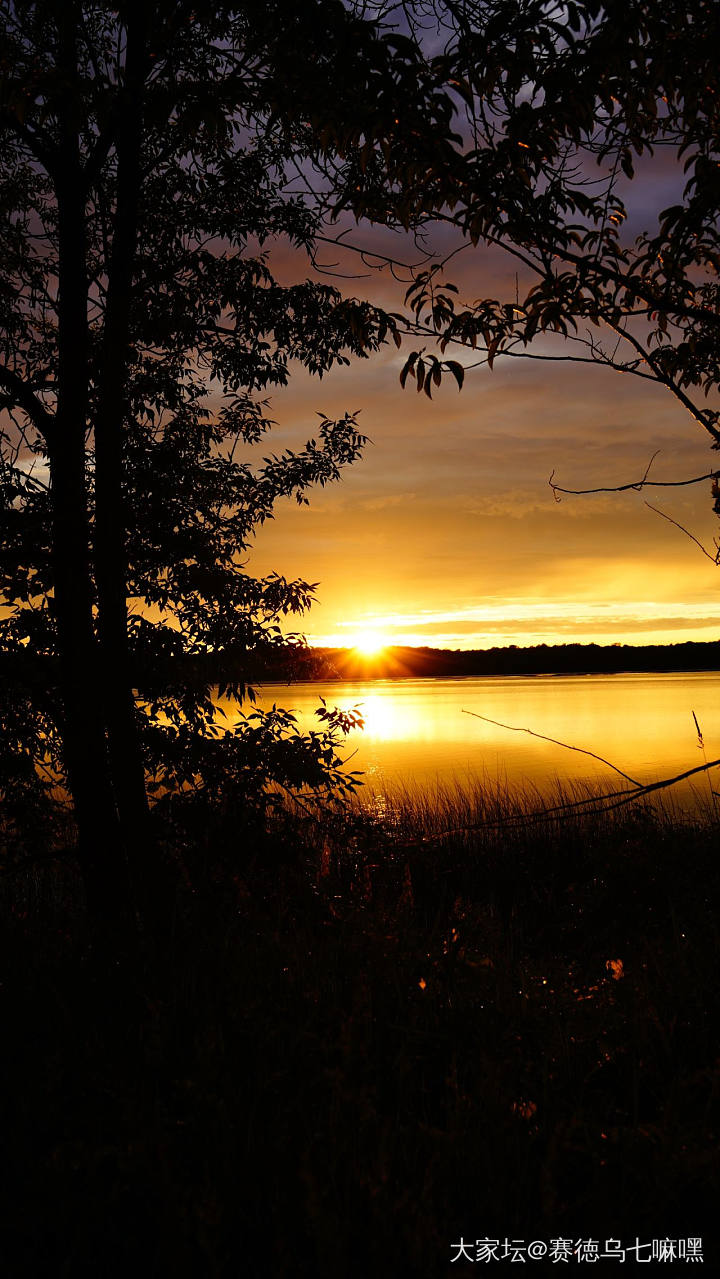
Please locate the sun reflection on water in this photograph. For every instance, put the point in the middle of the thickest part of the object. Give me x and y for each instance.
(418, 735)
(389, 720)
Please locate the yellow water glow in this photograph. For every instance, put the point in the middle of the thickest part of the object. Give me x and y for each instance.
(390, 719)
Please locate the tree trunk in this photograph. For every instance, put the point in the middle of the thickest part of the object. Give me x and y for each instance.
(86, 753)
(126, 757)
(85, 745)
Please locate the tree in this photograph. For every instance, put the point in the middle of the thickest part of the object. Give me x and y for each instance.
(557, 106)
(145, 163)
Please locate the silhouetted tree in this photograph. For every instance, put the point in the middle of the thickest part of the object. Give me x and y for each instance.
(147, 156)
(556, 106)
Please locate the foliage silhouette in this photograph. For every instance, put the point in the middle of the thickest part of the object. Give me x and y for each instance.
(560, 111)
(146, 167)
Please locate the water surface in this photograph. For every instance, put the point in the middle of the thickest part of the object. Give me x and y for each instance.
(418, 732)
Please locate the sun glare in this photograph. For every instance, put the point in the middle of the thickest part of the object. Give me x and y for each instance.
(369, 643)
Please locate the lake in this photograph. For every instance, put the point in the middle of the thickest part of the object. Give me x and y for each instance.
(418, 732)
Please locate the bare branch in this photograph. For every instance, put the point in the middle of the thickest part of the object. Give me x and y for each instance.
(700, 417)
(590, 805)
(715, 559)
(513, 728)
(338, 241)
(637, 485)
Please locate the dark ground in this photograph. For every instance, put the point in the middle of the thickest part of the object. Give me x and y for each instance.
(357, 1049)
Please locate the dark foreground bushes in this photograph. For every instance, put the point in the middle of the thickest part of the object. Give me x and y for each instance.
(361, 1044)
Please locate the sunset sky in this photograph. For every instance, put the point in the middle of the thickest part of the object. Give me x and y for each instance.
(446, 533)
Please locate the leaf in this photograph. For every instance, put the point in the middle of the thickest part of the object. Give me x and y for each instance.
(407, 369)
(457, 371)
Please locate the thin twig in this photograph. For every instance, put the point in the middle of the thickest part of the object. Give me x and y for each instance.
(562, 810)
(514, 728)
(714, 559)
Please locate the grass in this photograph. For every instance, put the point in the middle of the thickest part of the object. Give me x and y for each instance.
(366, 1039)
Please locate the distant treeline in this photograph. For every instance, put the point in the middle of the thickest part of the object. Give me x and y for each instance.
(26, 670)
(542, 659)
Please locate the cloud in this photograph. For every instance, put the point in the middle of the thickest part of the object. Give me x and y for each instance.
(450, 503)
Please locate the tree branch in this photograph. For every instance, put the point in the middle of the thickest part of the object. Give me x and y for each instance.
(583, 807)
(634, 484)
(512, 728)
(666, 381)
(32, 141)
(26, 399)
(714, 559)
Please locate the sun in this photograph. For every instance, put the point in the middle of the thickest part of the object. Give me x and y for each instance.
(369, 643)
